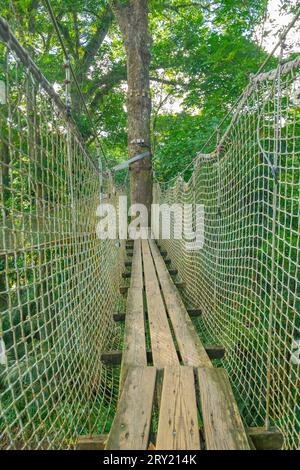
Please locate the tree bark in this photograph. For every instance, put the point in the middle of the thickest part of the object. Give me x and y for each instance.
(132, 17)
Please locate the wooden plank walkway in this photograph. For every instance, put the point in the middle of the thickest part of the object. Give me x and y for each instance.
(162, 344)
(134, 337)
(152, 290)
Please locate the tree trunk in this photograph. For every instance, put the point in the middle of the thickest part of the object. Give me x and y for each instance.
(132, 17)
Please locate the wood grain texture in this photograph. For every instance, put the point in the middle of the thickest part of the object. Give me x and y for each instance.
(134, 353)
(178, 422)
(163, 348)
(223, 426)
(191, 349)
(131, 425)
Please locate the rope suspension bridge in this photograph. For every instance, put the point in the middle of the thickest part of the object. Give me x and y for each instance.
(146, 344)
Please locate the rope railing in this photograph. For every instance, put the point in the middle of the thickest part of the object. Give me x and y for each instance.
(58, 281)
(245, 279)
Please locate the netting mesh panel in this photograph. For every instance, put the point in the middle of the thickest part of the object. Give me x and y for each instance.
(58, 281)
(246, 278)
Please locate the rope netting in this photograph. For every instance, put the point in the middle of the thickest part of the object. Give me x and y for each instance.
(59, 284)
(245, 280)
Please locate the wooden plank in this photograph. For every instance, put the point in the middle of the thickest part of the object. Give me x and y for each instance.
(162, 344)
(92, 442)
(223, 426)
(134, 353)
(191, 349)
(114, 358)
(178, 422)
(266, 439)
(131, 425)
(137, 270)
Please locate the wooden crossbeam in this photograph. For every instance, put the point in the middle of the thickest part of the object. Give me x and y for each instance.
(126, 275)
(179, 284)
(266, 439)
(173, 272)
(92, 442)
(191, 349)
(193, 313)
(123, 290)
(261, 439)
(114, 358)
(119, 317)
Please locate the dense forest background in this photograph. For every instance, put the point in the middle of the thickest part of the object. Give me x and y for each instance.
(202, 54)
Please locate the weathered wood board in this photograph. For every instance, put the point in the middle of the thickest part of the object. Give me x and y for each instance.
(223, 426)
(162, 344)
(134, 353)
(131, 425)
(178, 422)
(191, 349)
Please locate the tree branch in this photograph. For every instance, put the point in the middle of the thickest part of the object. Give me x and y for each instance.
(95, 42)
(205, 7)
(106, 83)
(77, 38)
(65, 32)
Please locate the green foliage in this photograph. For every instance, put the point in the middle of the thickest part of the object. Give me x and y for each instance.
(203, 51)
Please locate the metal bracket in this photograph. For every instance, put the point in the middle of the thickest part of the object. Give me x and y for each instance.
(125, 164)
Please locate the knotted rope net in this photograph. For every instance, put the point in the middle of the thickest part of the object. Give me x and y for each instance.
(245, 279)
(59, 284)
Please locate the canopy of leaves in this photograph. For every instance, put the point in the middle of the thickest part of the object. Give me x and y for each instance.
(202, 55)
